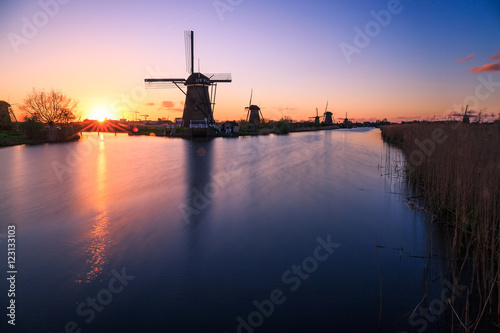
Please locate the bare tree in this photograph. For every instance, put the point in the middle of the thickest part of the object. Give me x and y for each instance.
(53, 106)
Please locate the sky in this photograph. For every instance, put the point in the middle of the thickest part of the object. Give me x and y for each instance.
(371, 59)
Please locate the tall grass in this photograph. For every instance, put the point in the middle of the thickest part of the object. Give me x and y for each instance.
(457, 168)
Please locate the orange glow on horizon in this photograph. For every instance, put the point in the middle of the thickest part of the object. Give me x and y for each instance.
(100, 113)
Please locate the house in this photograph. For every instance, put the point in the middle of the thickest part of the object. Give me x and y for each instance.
(230, 127)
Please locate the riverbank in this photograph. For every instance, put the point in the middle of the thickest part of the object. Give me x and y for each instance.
(456, 170)
(38, 137)
(184, 132)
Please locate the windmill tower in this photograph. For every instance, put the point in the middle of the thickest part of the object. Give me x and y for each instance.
(7, 116)
(316, 119)
(200, 91)
(347, 122)
(466, 117)
(328, 116)
(254, 115)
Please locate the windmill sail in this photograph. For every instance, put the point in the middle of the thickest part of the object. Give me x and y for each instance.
(189, 44)
(163, 83)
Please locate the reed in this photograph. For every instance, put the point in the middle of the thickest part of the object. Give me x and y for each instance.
(456, 168)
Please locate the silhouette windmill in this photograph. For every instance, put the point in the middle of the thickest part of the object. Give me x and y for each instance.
(200, 103)
(7, 115)
(465, 116)
(328, 115)
(316, 119)
(254, 115)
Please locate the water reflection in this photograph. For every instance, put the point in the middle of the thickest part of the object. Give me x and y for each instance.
(98, 239)
(200, 189)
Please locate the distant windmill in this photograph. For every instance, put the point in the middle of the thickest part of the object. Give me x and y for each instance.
(199, 104)
(465, 116)
(254, 115)
(346, 120)
(7, 116)
(316, 119)
(328, 115)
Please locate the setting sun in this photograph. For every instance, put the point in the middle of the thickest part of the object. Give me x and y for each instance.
(100, 113)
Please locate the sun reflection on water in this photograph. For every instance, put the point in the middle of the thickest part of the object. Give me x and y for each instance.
(98, 238)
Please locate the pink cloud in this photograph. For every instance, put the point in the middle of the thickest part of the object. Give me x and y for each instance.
(167, 104)
(495, 57)
(405, 118)
(469, 57)
(494, 67)
(149, 104)
(170, 106)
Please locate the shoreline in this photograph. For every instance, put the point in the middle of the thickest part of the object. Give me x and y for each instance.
(155, 132)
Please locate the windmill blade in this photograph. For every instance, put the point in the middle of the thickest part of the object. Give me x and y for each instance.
(189, 44)
(163, 83)
(219, 77)
(251, 94)
(326, 107)
(317, 112)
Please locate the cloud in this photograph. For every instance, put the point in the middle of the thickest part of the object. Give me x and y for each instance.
(170, 106)
(494, 67)
(285, 110)
(495, 57)
(149, 104)
(407, 117)
(167, 104)
(469, 57)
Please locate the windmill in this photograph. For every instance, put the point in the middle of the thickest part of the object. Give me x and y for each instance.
(466, 117)
(316, 119)
(328, 115)
(7, 116)
(199, 105)
(254, 115)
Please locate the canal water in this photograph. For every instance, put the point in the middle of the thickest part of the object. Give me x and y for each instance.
(307, 232)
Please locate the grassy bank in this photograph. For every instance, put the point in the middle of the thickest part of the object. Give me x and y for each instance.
(456, 167)
(33, 133)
